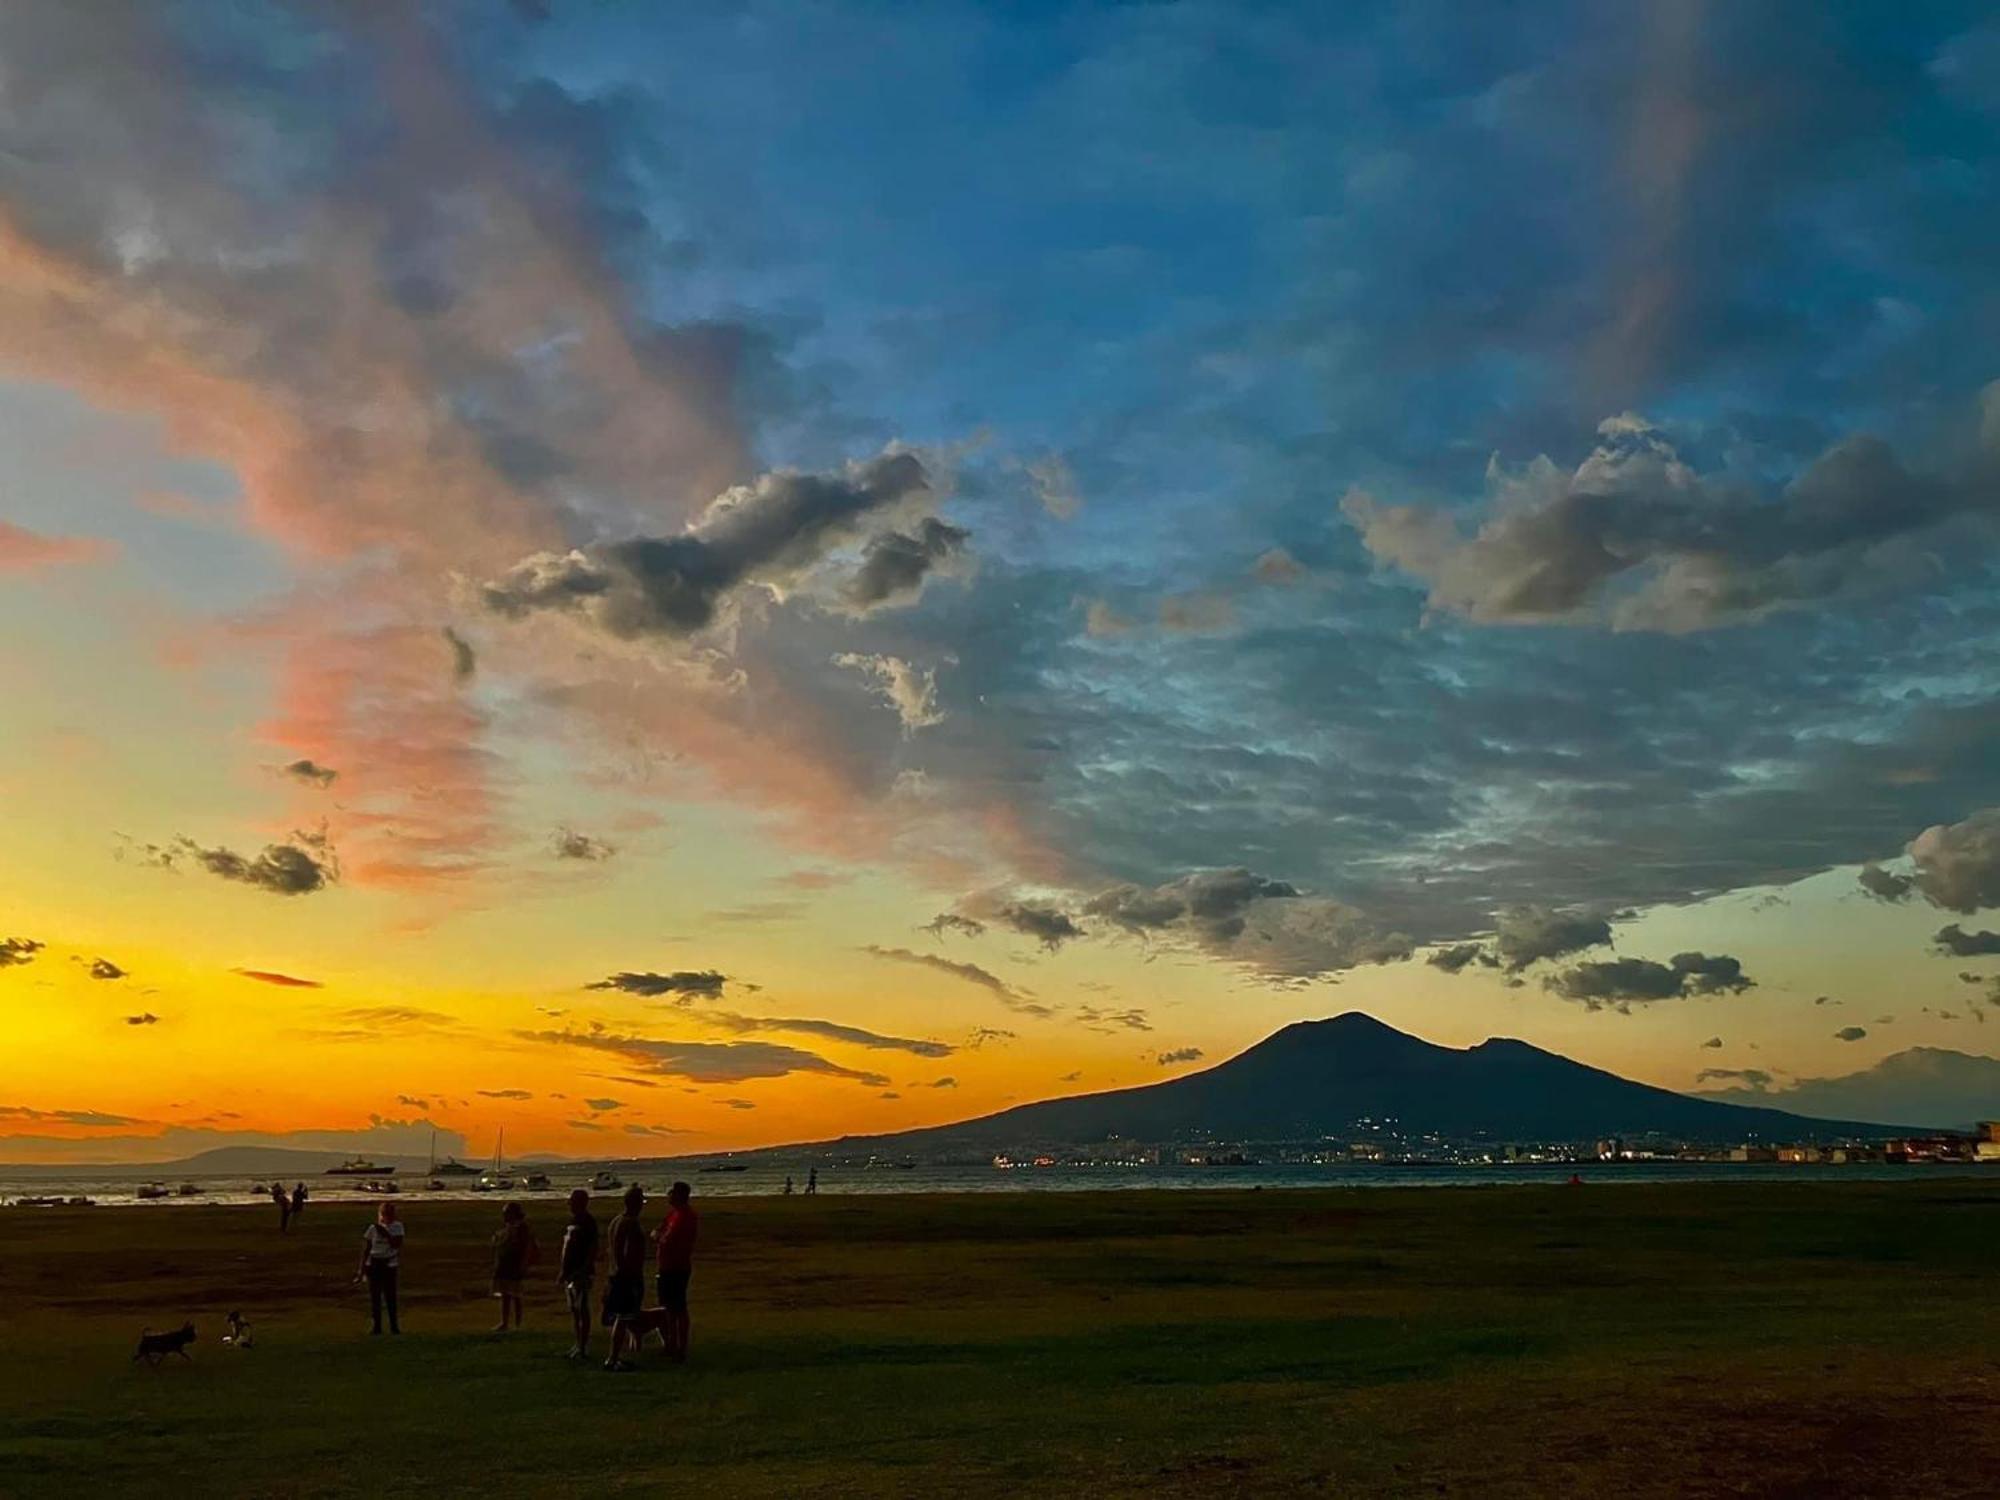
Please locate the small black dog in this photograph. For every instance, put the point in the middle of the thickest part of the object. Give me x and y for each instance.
(154, 1347)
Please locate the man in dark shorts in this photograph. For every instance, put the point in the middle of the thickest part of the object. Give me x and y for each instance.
(675, 1263)
(578, 1269)
(626, 1293)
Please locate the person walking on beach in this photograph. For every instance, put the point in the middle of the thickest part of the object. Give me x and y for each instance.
(514, 1252)
(298, 1199)
(812, 1182)
(578, 1268)
(674, 1263)
(381, 1259)
(284, 1206)
(788, 1184)
(626, 1293)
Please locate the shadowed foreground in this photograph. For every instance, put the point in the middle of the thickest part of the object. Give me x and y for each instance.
(1705, 1339)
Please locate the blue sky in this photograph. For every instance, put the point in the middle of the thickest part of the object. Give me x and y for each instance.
(1368, 479)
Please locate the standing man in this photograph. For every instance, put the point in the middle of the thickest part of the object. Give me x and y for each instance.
(579, 1268)
(381, 1259)
(284, 1206)
(675, 1246)
(812, 1182)
(625, 1296)
(298, 1200)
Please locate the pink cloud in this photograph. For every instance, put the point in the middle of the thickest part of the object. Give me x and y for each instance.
(25, 551)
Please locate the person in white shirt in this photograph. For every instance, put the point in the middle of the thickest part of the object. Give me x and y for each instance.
(381, 1257)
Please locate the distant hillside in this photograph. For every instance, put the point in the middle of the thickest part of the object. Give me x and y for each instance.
(1319, 1077)
(1933, 1087)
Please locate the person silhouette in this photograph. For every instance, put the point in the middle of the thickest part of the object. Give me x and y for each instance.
(381, 1259)
(812, 1182)
(788, 1184)
(284, 1206)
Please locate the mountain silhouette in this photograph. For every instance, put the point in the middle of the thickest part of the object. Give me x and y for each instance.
(1317, 1078)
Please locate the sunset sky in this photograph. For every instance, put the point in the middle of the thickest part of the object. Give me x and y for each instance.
(672, 577)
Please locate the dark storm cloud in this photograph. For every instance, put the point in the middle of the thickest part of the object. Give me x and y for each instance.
(18, 951)
(104, 968)
(1850, 1034)
(703, 1062)
(1528, 934)
(773, 531)
(1626, 981)
(312, 773)
(687, 984)
(1956, 941)
(567, 843)
(895, 563)
(832, 1031)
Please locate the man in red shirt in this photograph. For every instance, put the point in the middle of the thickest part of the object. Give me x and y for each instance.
(674, 1250)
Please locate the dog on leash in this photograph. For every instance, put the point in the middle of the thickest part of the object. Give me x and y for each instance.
(154, 1347)
(238, 1336)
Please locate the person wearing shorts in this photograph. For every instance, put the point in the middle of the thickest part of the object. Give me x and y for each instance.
(625, 1295)
(674, 1264)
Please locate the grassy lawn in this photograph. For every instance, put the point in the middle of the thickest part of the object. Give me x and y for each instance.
(1698, 1339)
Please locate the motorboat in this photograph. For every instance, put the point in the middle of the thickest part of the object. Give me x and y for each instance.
(537, 1182)
(451, 1166)
(605, 1182)
(379, 1185)
(153, 1190)
(356, 1166)
(191, 1190)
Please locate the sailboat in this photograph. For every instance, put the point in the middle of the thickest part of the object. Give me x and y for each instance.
(496, 1181)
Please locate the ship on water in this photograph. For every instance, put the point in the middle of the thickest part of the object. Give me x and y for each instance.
(357, 1166)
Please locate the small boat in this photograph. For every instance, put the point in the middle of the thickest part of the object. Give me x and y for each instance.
(379, 1185)
(536, 1182)
(356, 1166)
(258, 1190)
(39, 1202)
(605, 1182)
(191, 1190)
(435, 1185)
(153, 1190)
(726, 1166)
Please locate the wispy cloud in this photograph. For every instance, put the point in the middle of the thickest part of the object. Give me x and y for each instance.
(702, 1062)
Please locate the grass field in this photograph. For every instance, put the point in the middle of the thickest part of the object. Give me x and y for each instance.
(1699, 1339)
